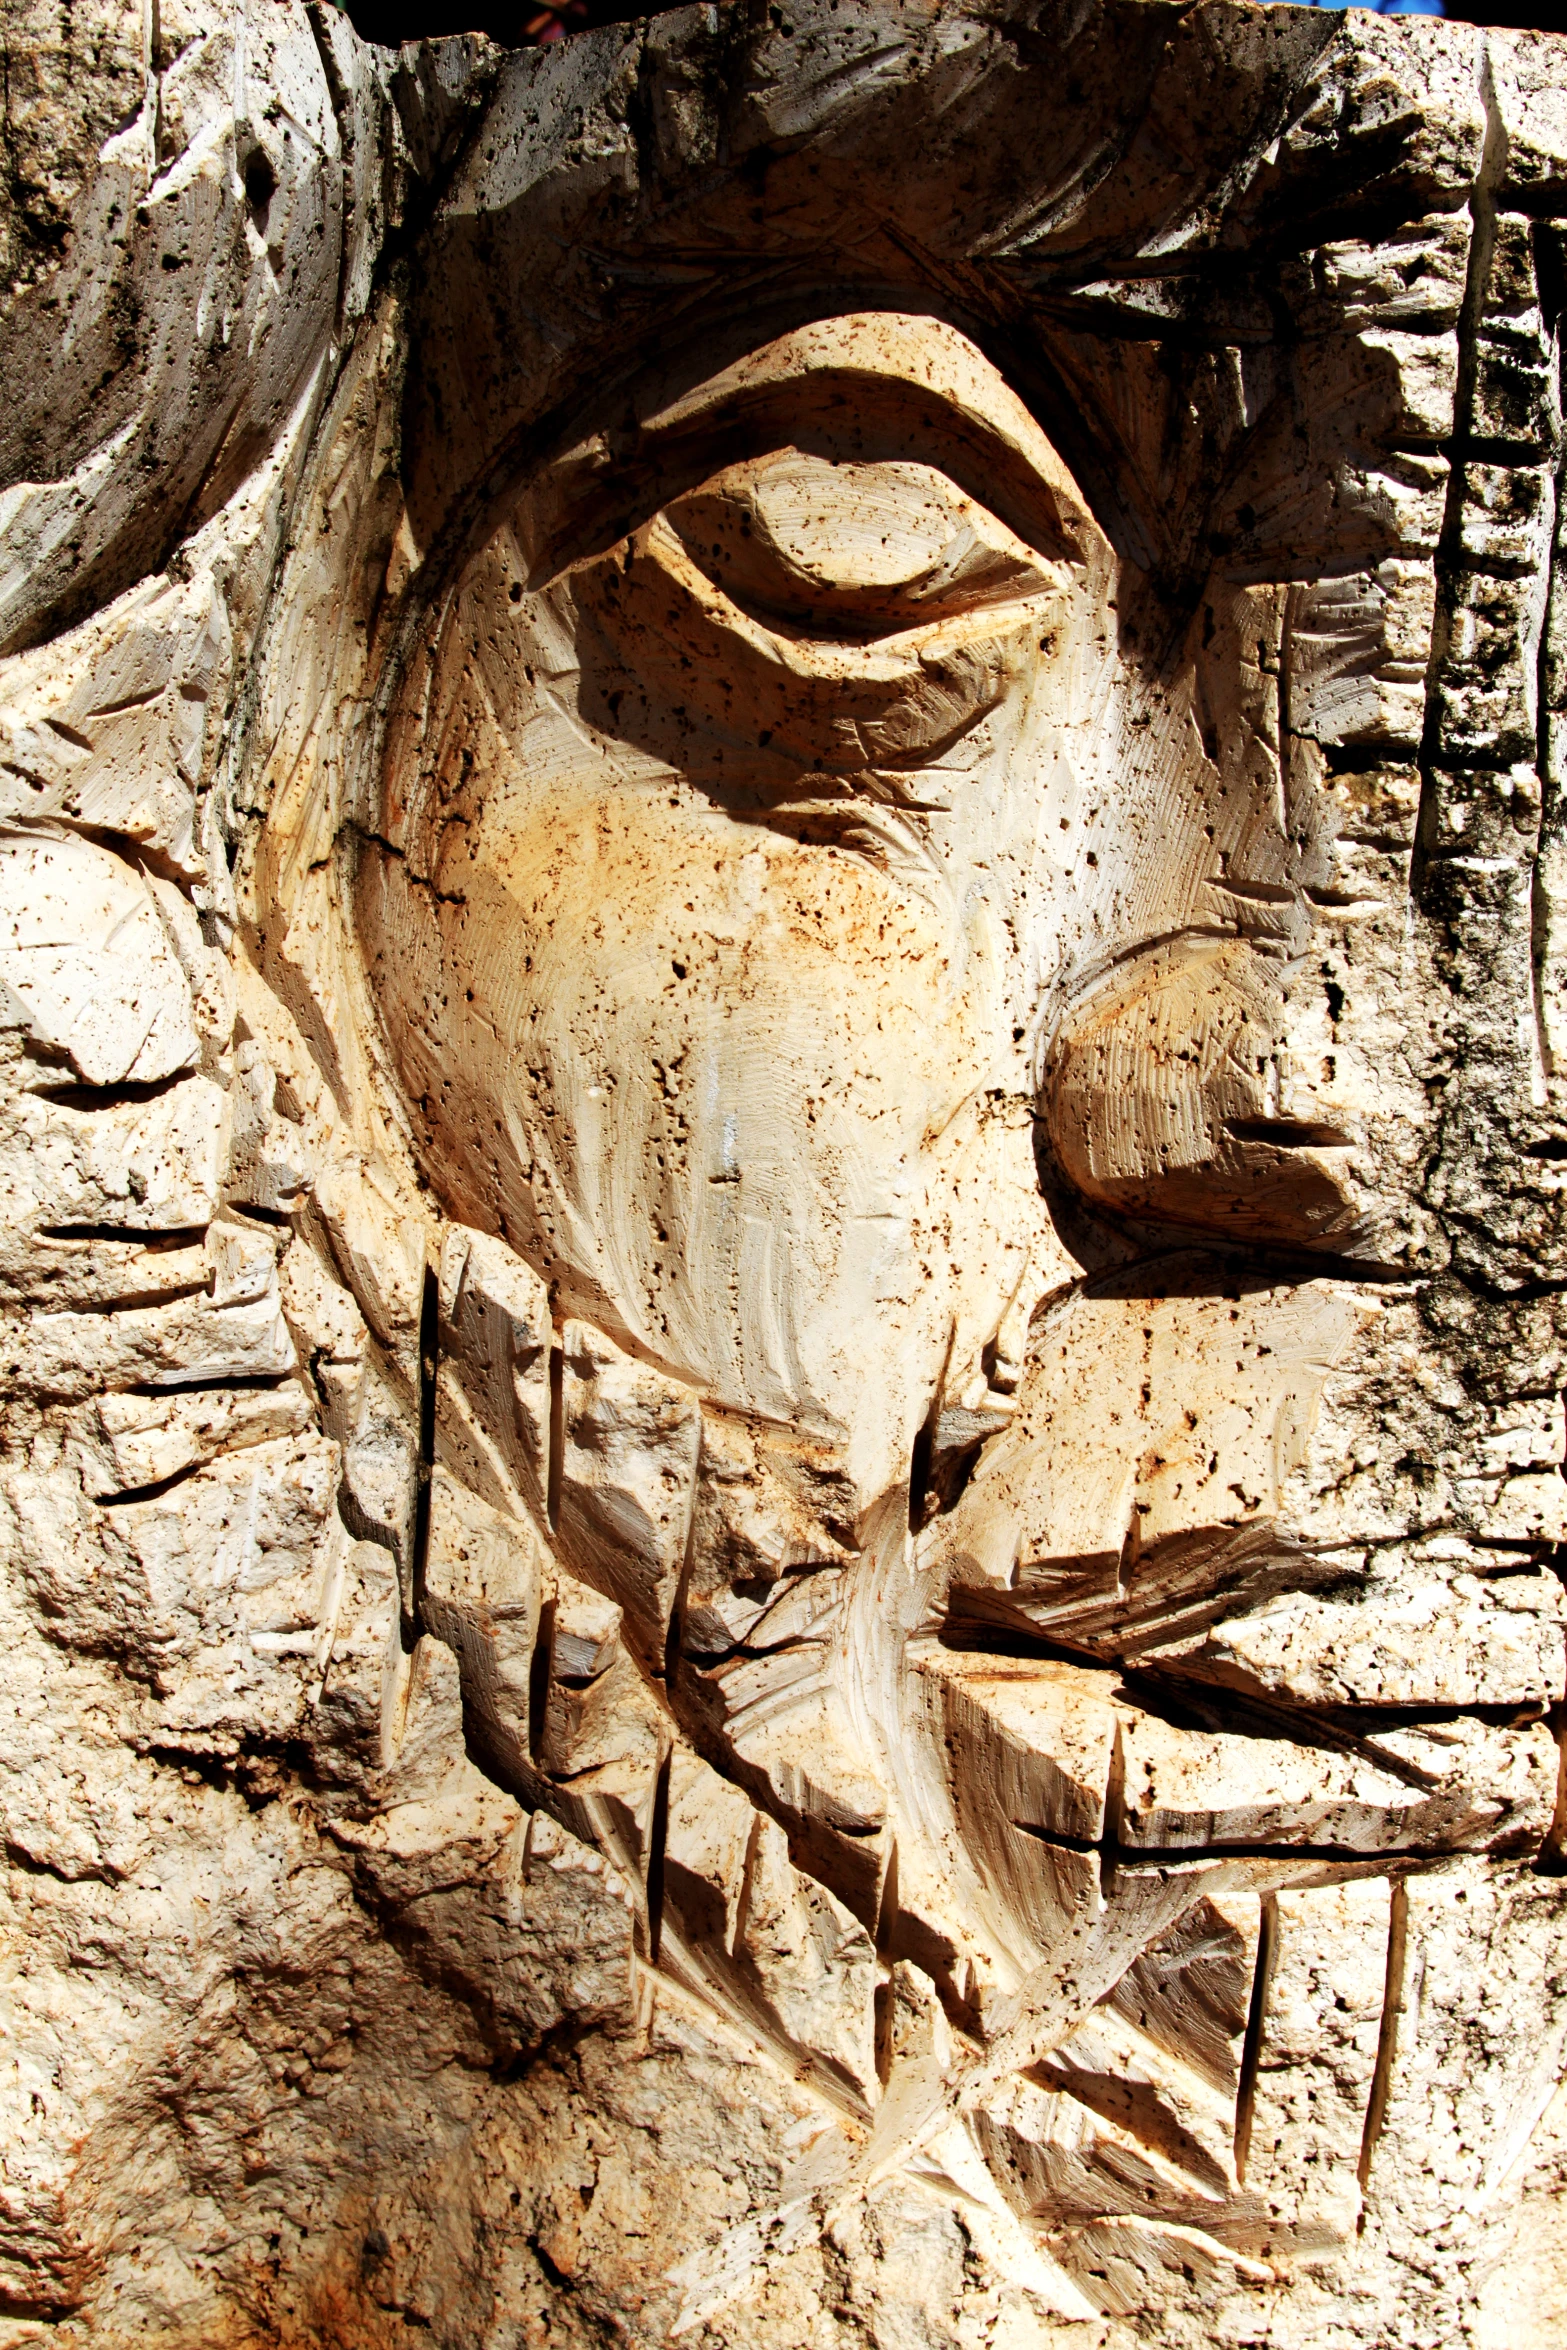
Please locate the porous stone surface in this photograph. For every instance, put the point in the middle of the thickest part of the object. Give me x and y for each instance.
(783, 1095)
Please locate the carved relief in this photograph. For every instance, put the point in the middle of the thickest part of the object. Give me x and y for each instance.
(779, 1144)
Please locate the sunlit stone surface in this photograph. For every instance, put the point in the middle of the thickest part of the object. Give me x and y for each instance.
(781, 988)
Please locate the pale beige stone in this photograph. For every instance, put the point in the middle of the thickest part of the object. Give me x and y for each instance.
(781, 1137)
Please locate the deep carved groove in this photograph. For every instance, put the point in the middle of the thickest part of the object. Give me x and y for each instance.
(1387, 2031)
(557, 1437)
(429, 1367)
(1256, 2029)
(540, 1672)
(658, 1836)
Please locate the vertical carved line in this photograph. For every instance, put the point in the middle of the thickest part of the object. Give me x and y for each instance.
(657, 1838)
(555, 1467)
(540, 1667)
(919, 1467)
(1256, 2025)
(675, 1632)
(923, 1453)
(887, 1906)
(1447, 561)
(429, 1366)
(1387, 2035)
(155, 75)
(881, 2030)
(883, 2001)
(747, 1882)
(1548, 260)
(342, 110)
(1131, 1550)
(1111, 1841)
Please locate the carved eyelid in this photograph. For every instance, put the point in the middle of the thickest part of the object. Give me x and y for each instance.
(874, 386)
(849, 547)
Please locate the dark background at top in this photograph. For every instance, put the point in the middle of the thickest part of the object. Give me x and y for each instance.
(520, 23)
(516, 23)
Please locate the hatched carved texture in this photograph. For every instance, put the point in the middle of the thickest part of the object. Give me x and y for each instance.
(781, 1138)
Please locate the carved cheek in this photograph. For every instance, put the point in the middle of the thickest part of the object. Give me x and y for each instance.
(713, 1078)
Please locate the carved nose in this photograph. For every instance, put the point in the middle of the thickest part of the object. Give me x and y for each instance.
(1166, 1096)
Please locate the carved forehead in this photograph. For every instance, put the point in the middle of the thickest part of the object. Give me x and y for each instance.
(1114, 204)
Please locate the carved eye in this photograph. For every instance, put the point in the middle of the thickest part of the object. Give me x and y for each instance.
(851, 548)
(839, 615)
(831, 557)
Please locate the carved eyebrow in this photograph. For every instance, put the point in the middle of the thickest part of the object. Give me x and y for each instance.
(893, 368)
(866, 385)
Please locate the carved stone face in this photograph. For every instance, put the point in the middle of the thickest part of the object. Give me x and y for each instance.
(781, 1134)
(823, 926)
(760, 838)
(888, 962)
(737, 865)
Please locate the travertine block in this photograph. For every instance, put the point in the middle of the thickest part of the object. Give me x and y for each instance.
(781, 1178)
